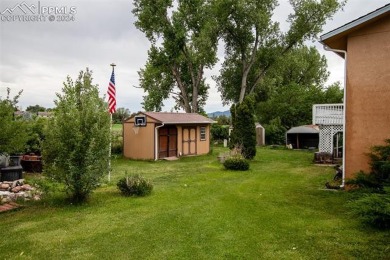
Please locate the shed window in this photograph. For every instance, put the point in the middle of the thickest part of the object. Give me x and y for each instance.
(140, 121)
(203, 133)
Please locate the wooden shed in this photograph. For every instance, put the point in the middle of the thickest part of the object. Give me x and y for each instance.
(158, 135)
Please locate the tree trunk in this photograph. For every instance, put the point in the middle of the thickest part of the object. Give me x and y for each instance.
(243, 84)
(195, 90)
(195, 99)
(243, 89)
(185, 104)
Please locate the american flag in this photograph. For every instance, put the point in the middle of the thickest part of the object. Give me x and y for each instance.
(111, 94)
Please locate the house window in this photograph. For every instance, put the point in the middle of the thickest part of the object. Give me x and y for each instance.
(140, 120)
(203, 133)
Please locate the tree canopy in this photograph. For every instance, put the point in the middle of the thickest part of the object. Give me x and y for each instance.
(254, 43)
(183, 41)
(120, 114)
(13, 131)
(298, 82)
(293, 85)
(35, 109)
(260, 58)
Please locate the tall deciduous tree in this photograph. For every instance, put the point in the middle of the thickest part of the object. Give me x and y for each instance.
(298, 82)
(183, 44)
(35, 109)
(254, 43)
(120, 115)
(75, 150)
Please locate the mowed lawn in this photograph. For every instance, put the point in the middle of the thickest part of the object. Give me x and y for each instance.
(117, 128)
(276, 210)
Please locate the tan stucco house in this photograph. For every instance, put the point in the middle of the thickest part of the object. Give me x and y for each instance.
(155, 135)
(365, 45)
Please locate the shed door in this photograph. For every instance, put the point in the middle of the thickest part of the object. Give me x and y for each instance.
(189, 140)
(167, 142)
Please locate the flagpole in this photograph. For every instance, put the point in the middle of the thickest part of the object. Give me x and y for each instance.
(109, 150)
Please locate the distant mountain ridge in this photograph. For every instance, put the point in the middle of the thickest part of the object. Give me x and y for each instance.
(219, 113)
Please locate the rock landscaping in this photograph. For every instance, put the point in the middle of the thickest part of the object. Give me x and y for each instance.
(17, 190)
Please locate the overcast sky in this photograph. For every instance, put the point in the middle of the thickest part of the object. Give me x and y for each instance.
(36, 56)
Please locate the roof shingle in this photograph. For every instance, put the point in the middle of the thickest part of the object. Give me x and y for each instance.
(179, 118)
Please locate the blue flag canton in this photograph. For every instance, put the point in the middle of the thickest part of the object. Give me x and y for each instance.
(112, 78)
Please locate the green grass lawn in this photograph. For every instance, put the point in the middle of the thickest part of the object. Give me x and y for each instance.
(117, 128)
(276, 210)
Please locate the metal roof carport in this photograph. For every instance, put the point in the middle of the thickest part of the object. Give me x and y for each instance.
(302, 137)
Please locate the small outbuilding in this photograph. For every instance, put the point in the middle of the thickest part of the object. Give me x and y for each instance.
(260, 135)
(302, 137)
(158, 135)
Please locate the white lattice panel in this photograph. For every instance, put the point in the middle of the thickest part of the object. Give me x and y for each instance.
(326, 137)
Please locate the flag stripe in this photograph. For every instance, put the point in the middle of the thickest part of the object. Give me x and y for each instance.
(111, 94)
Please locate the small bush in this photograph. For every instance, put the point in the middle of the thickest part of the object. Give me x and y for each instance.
(116, 143)
(116, 148)
(276, 132)
(236, 163)
(135, 185)
(334, 184)
(367, 182)
(373, 209)
(380, 161)
(219, 132)
(45, 185)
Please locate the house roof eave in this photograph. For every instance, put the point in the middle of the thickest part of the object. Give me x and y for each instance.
(337, 38)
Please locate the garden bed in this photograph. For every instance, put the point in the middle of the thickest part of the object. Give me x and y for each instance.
(16, 190)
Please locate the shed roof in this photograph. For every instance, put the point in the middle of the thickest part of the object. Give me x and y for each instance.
(258, 125)
(304, 129)
(178, 118)
(337, 38)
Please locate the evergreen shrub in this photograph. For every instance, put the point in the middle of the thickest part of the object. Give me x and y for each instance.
(373, 209)
(236, 163)
(366, 181)
(244, 130)
(380, 161)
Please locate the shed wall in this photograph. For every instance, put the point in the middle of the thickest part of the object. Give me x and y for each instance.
(260, 136)
(203, 146)
(141, 145)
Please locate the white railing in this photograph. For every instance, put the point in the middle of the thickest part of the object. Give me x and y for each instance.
(328, 114)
